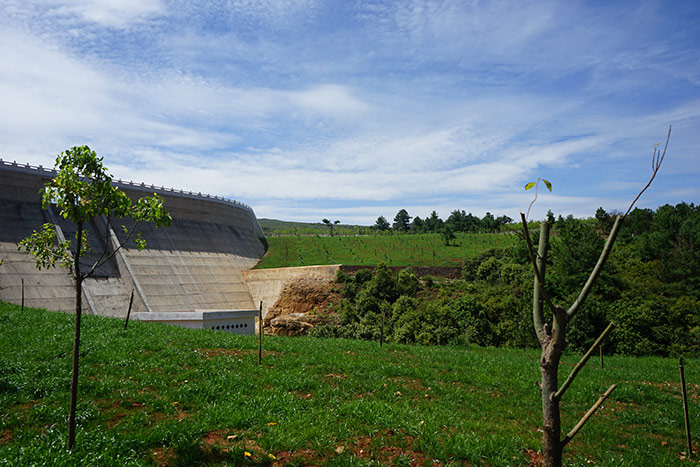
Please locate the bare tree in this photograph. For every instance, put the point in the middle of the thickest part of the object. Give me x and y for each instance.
(552, 335)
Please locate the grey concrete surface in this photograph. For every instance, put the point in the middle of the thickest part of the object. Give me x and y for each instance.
(197, 263)
(231, 321)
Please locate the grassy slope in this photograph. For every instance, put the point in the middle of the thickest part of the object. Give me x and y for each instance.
(277, 227)
(169, 395)
(272, 225)
(369, 250)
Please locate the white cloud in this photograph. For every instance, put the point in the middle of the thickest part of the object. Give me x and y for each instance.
(118, 14)
(328, 99)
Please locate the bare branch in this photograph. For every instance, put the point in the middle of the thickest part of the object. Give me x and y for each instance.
(111, 255)
(593, 277)
(656, 159)
(537, 315)
(588, 415)
(98, 262)
(540, 279)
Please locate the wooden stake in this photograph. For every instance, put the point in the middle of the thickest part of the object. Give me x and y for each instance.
(260, 334)
(23, 294)
(128, 313)
(685, 410)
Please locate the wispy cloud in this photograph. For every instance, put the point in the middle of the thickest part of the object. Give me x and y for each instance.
(111, 13)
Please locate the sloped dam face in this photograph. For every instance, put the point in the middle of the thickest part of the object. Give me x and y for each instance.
(196, 264)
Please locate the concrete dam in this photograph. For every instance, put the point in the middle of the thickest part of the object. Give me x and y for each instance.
(190, 274)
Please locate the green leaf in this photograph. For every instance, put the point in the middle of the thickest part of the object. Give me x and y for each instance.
(530, 185)
(547, 184)
(81, 190)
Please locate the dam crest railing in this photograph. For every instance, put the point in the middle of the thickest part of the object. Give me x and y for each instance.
(39, 169)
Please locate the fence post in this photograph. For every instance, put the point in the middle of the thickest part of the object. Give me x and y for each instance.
(260, 334)
(128, 313)
(685, 410)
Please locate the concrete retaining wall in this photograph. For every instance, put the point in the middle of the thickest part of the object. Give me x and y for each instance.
(197, 263)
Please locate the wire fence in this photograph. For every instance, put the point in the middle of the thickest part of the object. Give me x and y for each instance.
(41, 170)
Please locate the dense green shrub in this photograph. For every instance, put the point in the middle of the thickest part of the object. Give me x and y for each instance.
(407, 283)
(341, 277)
(642, 327)
(362, 276)
(489, 270)
(649, 288)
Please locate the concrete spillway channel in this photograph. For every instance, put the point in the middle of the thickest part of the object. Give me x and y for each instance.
(195, 266)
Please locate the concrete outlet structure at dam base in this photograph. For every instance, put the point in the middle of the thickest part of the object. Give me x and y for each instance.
(191, 274)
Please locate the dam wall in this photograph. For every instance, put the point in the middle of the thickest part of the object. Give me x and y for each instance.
(196, 264)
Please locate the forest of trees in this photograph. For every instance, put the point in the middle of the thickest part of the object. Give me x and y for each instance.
(650, 287)
(458, 221)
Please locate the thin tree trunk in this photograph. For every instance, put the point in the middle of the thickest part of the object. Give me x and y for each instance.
(76, 340)
(552, 343)
(551, 416)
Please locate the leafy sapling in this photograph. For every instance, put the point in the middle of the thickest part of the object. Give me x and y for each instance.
(83, 190)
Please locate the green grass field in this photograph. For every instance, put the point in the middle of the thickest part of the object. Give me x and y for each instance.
(158, 395)
(369, 250)
(273, 227)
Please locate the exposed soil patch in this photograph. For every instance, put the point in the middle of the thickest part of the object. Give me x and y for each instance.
(414, 388)
(163, 456)
(534, 457)
(302, 304)
(386, 447)
(116, 418)
(411, 384)
(303, 296)
(5, 436)
(334, 377)
(214, 438)
(674, 388)
(214, 448)
(209, 353)
(156, 418)
(619, 407)
(305, 457)
(116, 410)
(304, 395)
(26, 406)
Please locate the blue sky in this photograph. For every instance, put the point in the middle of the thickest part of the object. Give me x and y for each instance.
(311, 109)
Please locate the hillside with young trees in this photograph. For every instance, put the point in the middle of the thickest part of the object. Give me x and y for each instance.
(458, 221)
(650, 287)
